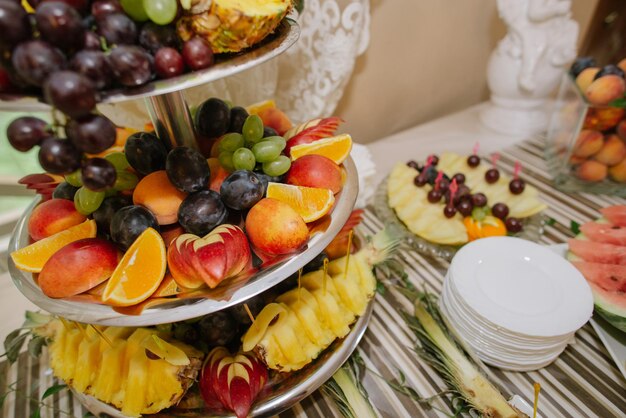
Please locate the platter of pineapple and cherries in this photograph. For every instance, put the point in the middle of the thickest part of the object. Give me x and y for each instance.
(450, 200)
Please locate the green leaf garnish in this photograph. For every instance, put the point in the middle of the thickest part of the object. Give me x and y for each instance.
(574, 227)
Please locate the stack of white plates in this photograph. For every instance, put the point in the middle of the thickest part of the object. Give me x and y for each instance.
(515, 303)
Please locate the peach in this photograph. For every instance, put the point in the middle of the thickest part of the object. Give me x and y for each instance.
(588, 143)
(604, 118)
(276, 119)
(622, 64)
(275, 228)
(613, 151)
(159, 196)
(574, 160)
(52, 216)
(591, 171)
(585, 78)
(170, 232)
(315, 171)
(618, 171)
(620, 130)
(218, 174)
(78, 267)
(605, 89)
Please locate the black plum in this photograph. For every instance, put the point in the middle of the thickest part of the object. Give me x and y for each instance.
(35, 60)
(580, 64)
(213, 118)
(218, 329)
(269, 131)
(65, 191)
(238, 116)
(26, 132)
(98, 174)
(109, 207)
(187, 169)
(129, 222)
(202, 211)
(91, 134)
(241, 190)
(145, 152)
(609, 69)
(265, 179)
(59, 156)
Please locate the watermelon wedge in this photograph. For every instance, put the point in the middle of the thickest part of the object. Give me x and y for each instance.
(597, 252)
(610, 305)
(604, 232)
(610, 277)
(615, 214)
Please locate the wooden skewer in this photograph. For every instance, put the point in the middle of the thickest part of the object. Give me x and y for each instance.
(249, 312)
(348, 251)
(101, 335)
(65, 323)
(81, 329)
(299, 283)
(325, 270)
(537, 387)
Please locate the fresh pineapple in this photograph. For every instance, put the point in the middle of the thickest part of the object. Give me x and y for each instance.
(232, 25)
(323, 307)
(133, 369)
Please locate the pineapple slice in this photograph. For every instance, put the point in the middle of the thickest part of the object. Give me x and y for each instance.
(315, 282)
(88, 354)
(310, 319)
(109, 378)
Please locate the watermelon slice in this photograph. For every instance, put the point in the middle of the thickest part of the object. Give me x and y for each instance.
(604, 232)
(615, 214)
(611, 277)
(610, 305)
(597, 252)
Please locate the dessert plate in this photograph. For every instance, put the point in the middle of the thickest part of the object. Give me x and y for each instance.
(228, 293)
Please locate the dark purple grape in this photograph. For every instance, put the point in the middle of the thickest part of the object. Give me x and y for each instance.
(98, 174)
(26, 132)
(117, 29)
(610, 69)
(129, 222)
(197, 53)
(109, 207)
(71, 93)
(14, 24)
(88, 23)
(202, 211)
(500, 211)
(580, 64)
(154, 37)
(80, 5)
(212, 118)
(517, 186)
(449, 211)
(434, 196)
(479, 200)
(267, 131)
(218, 329)
(434, 160)
(6, 85)
(461, 191)
(95, 66)
(168, 63)
(187, 169)
(241, 190)
(492, 175)
(92, 41)
(413, 164)
(145, 152)
(64, 191)
(91, 134)
(35, 60)
(473, 161)
(459, 177)
(104, 7)
(131, 65)
(59, 156)
(465, 207)
(238, 116)
(419, 181)
(60, 24)
(444, 184)
(513, 225)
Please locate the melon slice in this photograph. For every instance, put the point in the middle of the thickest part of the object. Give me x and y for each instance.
(610, 305)
(597, 252)
(604, 232)
(615, 214)
(611, 277)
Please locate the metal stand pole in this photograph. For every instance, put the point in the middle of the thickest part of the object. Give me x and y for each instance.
(172, 120)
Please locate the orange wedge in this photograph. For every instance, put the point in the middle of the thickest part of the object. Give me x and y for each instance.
(310, 202)
(255, 109)
(139, 273)
(337, 148)
(33, 257)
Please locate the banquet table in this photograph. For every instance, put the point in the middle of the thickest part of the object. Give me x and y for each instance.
(583, 382)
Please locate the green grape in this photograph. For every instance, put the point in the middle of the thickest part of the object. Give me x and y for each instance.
(161, 12)
(87, 201)
(125, 181)
(226, 160)
(119, 161)
(278, 167)
(110, 192)
(231, 142)
(276, 139)
(253, 129)
(74, 179)
(243, 159)
(266, 151)
(134, 9)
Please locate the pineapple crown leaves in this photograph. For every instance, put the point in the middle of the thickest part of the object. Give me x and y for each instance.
(382, 245)
(15, 340)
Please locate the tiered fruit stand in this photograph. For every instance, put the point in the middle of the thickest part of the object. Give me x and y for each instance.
(172, 120)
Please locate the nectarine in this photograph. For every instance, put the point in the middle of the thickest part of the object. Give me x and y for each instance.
(585, 78)
(621, 130)
(591, 170)
(618, 171)
(605, 89)
(315, 171)
(52, 216)
(156, 193)
(276, 119)
(613, 151)
(588, 143)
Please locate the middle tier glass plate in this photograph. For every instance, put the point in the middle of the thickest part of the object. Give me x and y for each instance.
(228, 293)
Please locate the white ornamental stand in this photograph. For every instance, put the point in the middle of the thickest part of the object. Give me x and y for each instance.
(528, 63)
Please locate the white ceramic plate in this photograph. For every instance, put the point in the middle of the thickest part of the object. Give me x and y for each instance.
(517, 284)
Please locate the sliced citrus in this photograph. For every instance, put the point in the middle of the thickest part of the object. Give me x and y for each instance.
(255, 109)
(33, 257)
(139, 273)
(310, 202)
(337, 148)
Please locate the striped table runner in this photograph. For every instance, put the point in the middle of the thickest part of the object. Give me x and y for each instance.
(582, 382)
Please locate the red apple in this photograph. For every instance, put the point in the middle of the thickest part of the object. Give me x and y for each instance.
(311, 132)
(52, 216)
(315, 171)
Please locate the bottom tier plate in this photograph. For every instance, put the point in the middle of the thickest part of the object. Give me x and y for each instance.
(282, 392)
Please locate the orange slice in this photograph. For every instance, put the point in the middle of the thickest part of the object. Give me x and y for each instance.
(337, 148)
(310, 202)
(33, 257)
(139, 273)
(255, 109)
